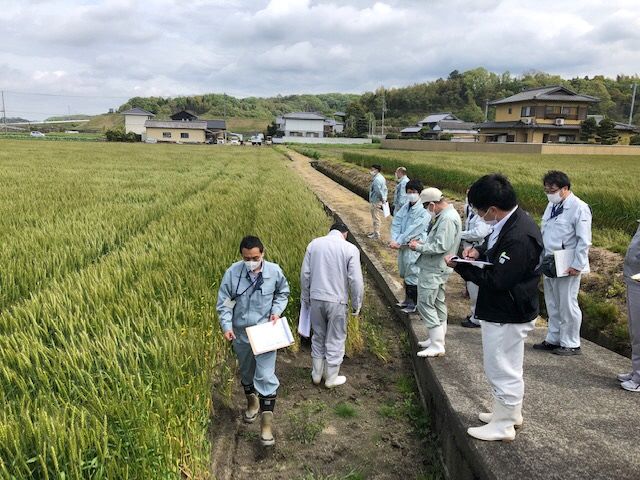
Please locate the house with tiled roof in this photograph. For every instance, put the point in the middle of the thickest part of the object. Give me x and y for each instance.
(442, 125)
(551, 114)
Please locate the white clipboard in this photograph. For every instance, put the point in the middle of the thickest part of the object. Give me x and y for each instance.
(304, 321)
(267, 337)
(564, 259)
(385, 209)
(475, 263)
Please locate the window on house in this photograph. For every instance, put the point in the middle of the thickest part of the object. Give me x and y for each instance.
(184, 135)
(166, 134)
(509, 110)
(527, 112)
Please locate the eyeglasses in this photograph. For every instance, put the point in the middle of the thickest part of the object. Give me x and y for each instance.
(551, 191)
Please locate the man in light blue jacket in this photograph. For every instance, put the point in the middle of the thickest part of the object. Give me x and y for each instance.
(566, 225)
(330, 273)
(251, 292)
(410, 222)
(400, 193)
(377, 196)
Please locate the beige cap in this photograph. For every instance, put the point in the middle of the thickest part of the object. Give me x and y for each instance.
(430, 194)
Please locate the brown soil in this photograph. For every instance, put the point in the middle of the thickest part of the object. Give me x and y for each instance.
(371, 427)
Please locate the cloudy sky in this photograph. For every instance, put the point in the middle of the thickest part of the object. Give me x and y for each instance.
(84, 56)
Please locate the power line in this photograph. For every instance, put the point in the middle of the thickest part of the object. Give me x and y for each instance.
(63, 95)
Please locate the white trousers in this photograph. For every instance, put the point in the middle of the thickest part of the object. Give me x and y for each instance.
(633, 307)
(503, 355)
(473, 289)
(565, 316)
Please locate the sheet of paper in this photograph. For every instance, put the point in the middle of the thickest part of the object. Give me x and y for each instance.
(636, 277)
(267, 337)
(564, 259)
(475, 263)
(385, 209)
(304, 321)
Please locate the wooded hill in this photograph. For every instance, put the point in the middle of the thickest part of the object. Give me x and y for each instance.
(464, 94)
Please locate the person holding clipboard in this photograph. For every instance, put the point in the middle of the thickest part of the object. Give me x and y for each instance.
(253, 291)
(507, 305)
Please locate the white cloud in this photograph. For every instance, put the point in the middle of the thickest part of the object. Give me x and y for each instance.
(259, 47)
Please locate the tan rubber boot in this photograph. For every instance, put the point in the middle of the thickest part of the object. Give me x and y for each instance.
(253, 408)
(266, 433)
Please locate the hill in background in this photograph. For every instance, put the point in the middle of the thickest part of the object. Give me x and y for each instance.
(464, 94)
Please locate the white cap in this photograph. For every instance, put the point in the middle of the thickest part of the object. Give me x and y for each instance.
(430, 194)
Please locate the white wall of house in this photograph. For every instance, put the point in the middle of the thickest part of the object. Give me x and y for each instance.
(135, 123)
(303, 128)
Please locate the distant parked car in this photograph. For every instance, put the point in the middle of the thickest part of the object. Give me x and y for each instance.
(234, 141)
(37, 134)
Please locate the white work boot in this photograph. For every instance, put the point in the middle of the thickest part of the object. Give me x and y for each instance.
(427, 342)
(333, 379)
(502, 424)
(436, 349)
(486, 417)
(318, 370)
(253, 407)
(266, 433)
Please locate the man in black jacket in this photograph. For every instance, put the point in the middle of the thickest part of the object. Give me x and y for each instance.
(507, 303)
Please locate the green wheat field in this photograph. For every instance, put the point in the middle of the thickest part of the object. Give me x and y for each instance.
(110, 253)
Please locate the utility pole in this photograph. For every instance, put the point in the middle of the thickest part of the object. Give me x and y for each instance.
(224, 115)
(633, 101)
(4, 114)
(384, 109)
(486, 110)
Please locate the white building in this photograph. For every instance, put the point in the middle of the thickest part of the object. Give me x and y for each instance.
(302, 124)
(134, 120)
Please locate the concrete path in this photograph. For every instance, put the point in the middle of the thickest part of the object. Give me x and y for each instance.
(579, 423)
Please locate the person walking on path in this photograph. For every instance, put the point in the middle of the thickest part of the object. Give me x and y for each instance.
(377, 196)
(409, 223)
(631, 381)
(507, 304)
(566, 225)
(330, 272)
(253, 291)
(442, 238)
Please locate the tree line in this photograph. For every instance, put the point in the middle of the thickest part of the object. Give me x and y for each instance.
(464, 94)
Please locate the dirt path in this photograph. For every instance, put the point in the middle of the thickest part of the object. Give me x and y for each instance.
(372, 427)
(355, 212)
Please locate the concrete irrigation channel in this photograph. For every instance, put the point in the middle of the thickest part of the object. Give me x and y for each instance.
(578, 422)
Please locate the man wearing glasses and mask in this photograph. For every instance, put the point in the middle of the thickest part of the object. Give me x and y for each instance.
(566, 225)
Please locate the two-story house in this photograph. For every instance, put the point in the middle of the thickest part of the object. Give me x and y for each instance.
(134, 120)
(538, 115)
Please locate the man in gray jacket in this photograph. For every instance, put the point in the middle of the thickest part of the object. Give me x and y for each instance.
(631, 381)
(330, 271)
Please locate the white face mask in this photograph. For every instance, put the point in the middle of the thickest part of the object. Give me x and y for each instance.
(554, 198)
(373, 173)
(252, 265)
(491, 223)
(413, 197)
